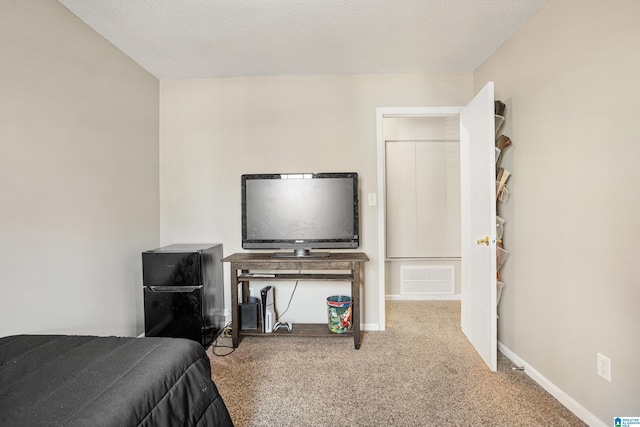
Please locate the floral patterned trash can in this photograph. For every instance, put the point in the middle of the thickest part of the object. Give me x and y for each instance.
(339, 310)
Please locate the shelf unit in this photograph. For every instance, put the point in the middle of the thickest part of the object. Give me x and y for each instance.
(248, 267)
(502, 192)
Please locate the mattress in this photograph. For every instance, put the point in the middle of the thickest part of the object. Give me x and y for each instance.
(51, 380)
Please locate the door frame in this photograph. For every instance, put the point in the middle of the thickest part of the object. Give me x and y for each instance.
(381, 114)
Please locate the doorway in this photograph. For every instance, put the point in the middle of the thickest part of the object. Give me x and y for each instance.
(381, 115)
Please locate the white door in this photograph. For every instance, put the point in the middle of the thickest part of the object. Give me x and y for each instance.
(478, 218)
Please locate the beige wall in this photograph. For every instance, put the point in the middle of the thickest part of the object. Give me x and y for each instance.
(79, 196)
(569, 78)
(214, 130)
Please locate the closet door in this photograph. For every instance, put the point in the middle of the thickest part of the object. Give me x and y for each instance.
(452, 202)
(401, 199)
(423, 199)
(431, 199)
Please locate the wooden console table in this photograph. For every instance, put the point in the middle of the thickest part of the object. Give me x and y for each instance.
(247, 267)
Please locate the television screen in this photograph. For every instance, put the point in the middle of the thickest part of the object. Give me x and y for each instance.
(300, 211)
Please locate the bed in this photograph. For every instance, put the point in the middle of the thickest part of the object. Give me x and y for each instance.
(63, 380)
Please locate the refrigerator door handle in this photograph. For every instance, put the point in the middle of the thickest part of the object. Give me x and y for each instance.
(173, 288)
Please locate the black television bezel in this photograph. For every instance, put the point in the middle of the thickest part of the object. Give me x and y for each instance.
(305, 246)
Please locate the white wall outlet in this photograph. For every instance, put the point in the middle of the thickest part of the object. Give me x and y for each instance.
(604, 367)
(373, 200)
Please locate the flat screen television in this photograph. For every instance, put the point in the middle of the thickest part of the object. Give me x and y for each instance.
(301, 211)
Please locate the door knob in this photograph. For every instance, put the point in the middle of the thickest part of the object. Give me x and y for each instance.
(484, 241)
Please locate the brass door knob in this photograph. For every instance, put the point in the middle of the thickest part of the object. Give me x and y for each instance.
(484, 241)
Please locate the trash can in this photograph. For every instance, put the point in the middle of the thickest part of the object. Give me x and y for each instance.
(339, 310)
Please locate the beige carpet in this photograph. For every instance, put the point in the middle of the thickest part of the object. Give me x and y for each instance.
(421, 371)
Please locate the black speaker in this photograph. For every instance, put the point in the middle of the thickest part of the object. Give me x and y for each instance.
(249, 314)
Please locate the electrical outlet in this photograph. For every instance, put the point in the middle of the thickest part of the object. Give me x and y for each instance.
(373, 200)
(604, 367)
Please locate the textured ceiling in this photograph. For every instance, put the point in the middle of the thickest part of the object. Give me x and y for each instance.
(222, 38)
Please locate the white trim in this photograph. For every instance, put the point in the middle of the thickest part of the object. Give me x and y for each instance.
(579, 410)
(418, 111)
(423, 297)
(381, 113)
(382, 255)
(370, 327)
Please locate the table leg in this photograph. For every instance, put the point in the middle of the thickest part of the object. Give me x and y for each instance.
(355, 301)
(235, 315)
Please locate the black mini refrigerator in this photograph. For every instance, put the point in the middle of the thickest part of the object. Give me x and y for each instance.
(183, 291)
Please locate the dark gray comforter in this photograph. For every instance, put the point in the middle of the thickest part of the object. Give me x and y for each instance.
(106, 381)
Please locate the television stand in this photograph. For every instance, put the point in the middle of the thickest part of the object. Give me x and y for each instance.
(263, 267)
(300, 253)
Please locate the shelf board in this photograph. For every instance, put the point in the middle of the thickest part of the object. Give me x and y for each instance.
(299, 330)
(296, 276)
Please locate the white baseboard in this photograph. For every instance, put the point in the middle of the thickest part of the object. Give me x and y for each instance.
(552, 389)
(423, 297)
(370, 326)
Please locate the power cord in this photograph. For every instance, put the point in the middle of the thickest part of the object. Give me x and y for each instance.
(290, 298)
(226, 332)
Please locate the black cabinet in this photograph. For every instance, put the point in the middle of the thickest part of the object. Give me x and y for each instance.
(183, 291)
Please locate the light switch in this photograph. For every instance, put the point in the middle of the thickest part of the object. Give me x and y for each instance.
(372, 199)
